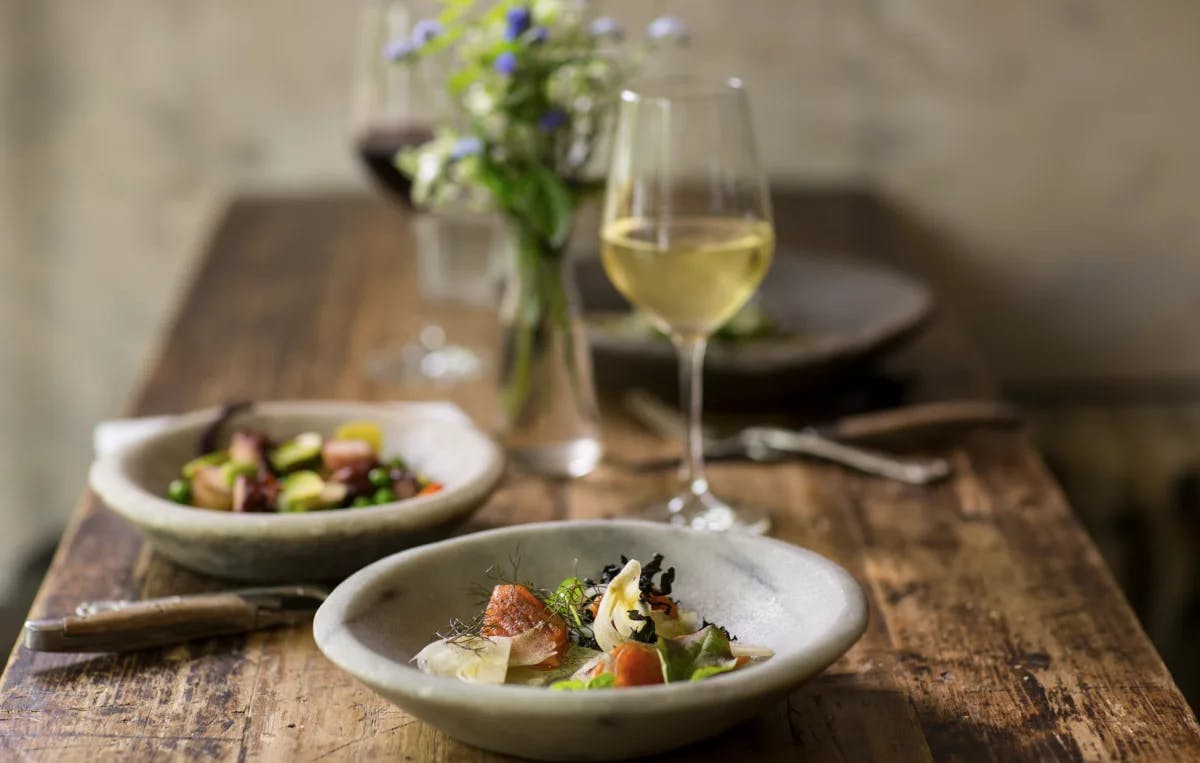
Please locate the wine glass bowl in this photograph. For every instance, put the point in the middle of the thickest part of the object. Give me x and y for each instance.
(687, 237)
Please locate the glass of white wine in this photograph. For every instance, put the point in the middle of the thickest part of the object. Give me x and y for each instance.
(687, 237)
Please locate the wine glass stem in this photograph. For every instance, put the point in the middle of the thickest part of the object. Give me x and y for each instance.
(691, 364)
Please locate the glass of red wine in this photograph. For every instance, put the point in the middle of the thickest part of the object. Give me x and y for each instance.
(396, 106)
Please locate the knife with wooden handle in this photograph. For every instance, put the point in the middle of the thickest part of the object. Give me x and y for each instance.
(921, 421)
(119, 626)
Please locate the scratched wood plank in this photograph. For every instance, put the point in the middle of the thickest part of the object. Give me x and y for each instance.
(995, 633)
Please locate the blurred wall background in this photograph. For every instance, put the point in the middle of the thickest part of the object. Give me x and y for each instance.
(1053, 142)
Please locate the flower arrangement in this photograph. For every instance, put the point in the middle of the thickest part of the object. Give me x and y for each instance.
(531, 85)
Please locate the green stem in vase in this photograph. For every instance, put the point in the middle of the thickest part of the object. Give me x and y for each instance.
(539, 293)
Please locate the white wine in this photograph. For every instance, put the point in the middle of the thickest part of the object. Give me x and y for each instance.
(690, 274)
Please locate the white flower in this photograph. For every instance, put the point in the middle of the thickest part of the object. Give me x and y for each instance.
(668, 28)
(478, 101)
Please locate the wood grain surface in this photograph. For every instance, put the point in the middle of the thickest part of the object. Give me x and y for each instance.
(996, 632)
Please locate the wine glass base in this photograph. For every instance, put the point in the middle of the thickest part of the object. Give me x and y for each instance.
(705, 511)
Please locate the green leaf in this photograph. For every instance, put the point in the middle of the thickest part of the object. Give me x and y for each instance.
(693, 657)
(567, 600)
(557, 207)
(712, 670)
(600, 681)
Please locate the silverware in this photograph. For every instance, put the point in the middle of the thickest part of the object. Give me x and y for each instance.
(118, 626)
(764, 444)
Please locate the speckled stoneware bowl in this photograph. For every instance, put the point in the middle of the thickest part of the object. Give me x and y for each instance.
(805, 607)
(321, 545)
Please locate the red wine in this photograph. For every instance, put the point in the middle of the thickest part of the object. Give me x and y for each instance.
(378, 146)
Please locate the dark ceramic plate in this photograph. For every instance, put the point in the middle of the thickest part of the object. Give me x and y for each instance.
(834, 315)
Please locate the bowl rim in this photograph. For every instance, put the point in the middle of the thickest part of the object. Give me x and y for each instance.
(109, 477)
(396, 678)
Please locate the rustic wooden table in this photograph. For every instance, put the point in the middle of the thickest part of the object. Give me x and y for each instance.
(996, 631)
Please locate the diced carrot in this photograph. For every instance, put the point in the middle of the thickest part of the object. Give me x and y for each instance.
(664, 604)
(513, 610)
(636, 664)
(594, 605)
(431, 488)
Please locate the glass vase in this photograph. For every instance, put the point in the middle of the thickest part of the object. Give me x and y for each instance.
(551, 421)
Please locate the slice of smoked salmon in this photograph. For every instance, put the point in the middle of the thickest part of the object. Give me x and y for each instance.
(636, 664)
(513, 610)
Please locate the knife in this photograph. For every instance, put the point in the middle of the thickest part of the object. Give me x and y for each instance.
(119, 626)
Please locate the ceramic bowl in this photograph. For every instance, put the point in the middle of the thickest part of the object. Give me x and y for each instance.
(321, 545)
(805, 607)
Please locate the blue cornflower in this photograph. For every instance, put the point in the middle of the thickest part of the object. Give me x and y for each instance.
(552, 120)
(425, 30)
(519, 19)
(606, 27)
(538, 35)
(398, 50)
(464, 147)
(506, 62)
(668, 28)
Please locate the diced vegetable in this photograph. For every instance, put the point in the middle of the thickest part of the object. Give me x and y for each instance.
(301, 491)
(380, 477)
(384, 495)
(431, 488)
(231, 470)
(636, 664)
(210, 490)
(300, 451)
(216, 458)
(367, 431)
(180, 491)
(337, 454)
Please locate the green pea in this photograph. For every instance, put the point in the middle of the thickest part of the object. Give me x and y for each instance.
(379, 477)
(384, 495)
(361, 501)
(180, 491)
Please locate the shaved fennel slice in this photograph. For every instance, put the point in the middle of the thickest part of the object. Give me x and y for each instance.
(670, 627)
(572, 661)
(531, 647)
(613, 624)
(754, 651)
(475, 659)
(601, 663)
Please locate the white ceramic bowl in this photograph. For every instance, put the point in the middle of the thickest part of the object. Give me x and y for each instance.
(322, 545)
(805, 607)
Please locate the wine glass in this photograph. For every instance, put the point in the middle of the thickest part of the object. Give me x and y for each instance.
(687, 237)
(396, 106)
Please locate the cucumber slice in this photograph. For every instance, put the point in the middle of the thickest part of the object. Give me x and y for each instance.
(231, 470)
(216, 458)
(302, 491)
(302, 450)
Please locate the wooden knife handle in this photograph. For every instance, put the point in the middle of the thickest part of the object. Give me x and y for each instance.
(923, 421)
(140, 625)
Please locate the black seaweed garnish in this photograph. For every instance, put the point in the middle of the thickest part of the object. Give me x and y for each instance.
(647, 634)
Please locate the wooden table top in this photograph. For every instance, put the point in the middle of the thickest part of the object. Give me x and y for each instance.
(996, 632)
